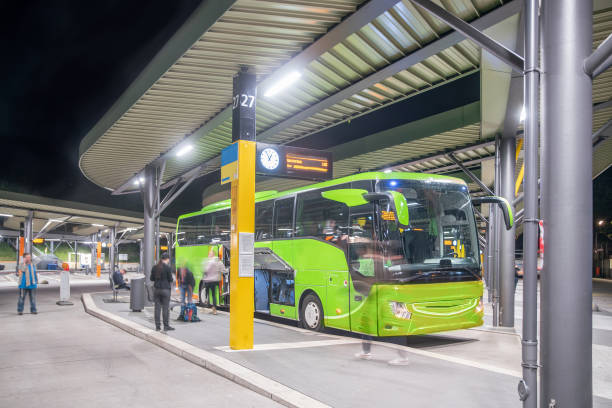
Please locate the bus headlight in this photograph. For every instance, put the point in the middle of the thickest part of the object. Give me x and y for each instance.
(400, 310)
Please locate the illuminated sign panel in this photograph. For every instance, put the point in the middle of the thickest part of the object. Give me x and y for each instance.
(38, 241)
(293, 162)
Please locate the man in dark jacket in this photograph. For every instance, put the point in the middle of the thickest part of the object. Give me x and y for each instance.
(118, 279)
(161, 274)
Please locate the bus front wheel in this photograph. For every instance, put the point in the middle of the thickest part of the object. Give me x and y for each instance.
(311, 313)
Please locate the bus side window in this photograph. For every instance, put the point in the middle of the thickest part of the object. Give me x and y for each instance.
(220, 228)
(362, 252)
(362, 185)
(263, 220)
(204, 230)
(283, 218)
(322, 218)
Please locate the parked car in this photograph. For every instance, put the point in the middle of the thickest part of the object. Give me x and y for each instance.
(51, 262)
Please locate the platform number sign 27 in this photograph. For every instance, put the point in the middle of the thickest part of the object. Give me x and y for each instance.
(244, 101)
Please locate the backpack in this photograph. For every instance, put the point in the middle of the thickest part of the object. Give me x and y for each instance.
(190, 313)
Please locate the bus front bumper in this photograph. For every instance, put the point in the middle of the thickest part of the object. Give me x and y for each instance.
(405, 311)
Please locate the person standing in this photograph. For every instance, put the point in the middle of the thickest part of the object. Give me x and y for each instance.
(161, 274)
(186, 283)
(28, 282)
(212, 276)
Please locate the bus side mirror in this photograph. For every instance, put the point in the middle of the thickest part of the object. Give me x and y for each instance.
(351, 197)
(397, 203)
(503, 204)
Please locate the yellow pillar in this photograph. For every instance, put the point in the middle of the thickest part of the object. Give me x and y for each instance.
(242, 286)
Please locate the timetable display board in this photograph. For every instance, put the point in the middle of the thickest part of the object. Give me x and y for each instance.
(293, 162)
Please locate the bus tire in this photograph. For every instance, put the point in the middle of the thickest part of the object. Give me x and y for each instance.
(311, 313)
(200, 290)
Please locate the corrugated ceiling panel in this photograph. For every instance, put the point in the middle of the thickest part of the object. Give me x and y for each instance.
(266, 34)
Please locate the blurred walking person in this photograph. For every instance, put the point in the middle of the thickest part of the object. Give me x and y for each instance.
(28, 282)
(161, 274)
(186, 282)
(212, 276)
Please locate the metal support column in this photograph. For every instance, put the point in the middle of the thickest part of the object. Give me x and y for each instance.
(490, 258)
(76, 256)
(140, 252)
(170, 248)
(111, 250)
(27, 232)
(566, 316)
(149, 223)
(93, 262)
(507, 154)
(495, 227)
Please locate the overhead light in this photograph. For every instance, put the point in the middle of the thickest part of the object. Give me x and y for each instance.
(55, 220)
(283, 83)
(6, 215)
(139, 180)
(523, 114)
(183, 150)
(388, 171)
(97, 225)
(601, 222)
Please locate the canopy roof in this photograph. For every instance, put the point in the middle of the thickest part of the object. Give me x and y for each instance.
(51, 216)
(355, 57)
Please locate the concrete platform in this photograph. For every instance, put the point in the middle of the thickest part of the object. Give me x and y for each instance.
(63, 357)
(468, 368)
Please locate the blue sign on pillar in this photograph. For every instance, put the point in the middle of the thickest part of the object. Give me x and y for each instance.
(229, 163)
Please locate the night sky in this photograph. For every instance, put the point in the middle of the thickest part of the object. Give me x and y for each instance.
(64, 64)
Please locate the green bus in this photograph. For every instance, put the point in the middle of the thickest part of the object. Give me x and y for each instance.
(383, 254)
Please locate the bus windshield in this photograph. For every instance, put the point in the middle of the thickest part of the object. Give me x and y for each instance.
(440, 244)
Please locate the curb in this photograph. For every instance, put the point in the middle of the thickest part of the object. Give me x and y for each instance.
(212, 362)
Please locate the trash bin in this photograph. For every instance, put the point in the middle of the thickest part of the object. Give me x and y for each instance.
(137, 293)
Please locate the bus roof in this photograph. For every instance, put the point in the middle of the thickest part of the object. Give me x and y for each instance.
(273, 194)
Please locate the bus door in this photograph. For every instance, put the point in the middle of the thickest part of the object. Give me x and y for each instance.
(282, 285)
(363, 260)
(337, 300)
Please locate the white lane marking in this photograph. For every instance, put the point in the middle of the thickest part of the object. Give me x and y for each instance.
(455, 360)
(294, 345)
(602, 374)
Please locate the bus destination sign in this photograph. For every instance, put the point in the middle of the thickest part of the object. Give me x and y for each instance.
(293, 162)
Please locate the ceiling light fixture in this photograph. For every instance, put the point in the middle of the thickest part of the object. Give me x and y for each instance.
(184, 149)
(283, 83)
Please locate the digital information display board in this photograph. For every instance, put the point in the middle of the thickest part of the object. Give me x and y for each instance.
(293, 162)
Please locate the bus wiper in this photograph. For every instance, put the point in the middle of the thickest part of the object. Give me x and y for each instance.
(417, 276)
(430, 272)
(460, 268)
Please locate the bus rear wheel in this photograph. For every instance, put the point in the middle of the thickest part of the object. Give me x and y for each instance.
(201, 292)
(311, 313)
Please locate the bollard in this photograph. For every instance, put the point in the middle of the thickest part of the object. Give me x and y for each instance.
(64, 289)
